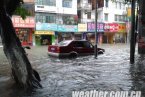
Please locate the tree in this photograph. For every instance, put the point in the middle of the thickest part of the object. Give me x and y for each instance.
(22, 70)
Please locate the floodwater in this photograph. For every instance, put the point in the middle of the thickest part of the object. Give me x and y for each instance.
(109, 72)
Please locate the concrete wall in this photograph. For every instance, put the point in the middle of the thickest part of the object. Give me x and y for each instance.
(58, 8)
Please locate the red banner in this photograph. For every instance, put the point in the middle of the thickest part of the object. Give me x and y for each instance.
(114, 27)
(18, 22)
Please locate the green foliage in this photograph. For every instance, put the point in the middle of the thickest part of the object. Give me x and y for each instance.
(22, 12)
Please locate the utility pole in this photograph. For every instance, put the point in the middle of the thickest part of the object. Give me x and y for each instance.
(132, 43)
(96, 38)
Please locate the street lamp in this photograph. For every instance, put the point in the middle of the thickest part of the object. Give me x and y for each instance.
(96, 39)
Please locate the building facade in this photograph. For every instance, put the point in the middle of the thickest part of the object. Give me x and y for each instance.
(24, 28)
(55, 19)
(111, 20)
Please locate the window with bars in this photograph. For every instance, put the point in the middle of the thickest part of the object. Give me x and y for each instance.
(67, 3)
(69, 20)
(46, 2)
(106, 16)
(45, 18)
(121, 18)
(88, 15)
(106, 3)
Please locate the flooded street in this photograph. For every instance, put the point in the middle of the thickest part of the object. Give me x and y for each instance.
(111, 71)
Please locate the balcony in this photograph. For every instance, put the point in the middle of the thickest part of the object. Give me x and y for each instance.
(84, 6)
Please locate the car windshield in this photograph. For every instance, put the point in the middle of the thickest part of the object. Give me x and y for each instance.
(64, 43)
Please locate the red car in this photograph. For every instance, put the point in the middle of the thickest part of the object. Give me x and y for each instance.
(72, 49)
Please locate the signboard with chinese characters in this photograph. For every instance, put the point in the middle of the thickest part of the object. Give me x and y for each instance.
(82, 27)
(18, 22)
(46, 26)
(115, 27)
(55, 27)
(91, 27)
(44, 32)
(67, 28)
(111, 27)
(122, 27)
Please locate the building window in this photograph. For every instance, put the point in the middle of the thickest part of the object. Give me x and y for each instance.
(106, 16)
(67, 3)
(46, 2)
(78, 1)
(89, 1)
(116, 17)
(69, 20)
(123, 5)
(115, 4)
(106, 3)
(88, 15)
(120, 18)
(120, 5)
(51, 2)
(39, 2)
(45, 18)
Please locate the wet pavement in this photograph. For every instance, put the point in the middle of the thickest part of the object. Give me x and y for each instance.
(111, 71)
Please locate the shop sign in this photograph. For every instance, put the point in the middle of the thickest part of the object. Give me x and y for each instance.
(128, 12)
(91, 27)
(106, 27)
(111, 27)
(44, 32)
(18, 22)
(67, 28)
(46, 26)
(82, 27)
(122, 27)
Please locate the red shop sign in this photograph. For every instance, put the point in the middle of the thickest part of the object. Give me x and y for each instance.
(29, 22)
(111, 27)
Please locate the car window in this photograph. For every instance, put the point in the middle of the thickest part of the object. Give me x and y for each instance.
(78, 44)
(83, 44)
(64, 43)
(87, 45)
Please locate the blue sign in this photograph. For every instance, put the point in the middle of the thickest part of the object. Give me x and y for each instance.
(68, 28)
(46, 26)
(55, 27)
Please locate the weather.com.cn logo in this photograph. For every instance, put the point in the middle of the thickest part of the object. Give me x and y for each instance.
(94, 93)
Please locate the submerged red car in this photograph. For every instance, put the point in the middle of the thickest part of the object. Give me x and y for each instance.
(72, 49)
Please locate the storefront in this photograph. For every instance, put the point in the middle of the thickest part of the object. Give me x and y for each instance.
(65, 32)
(82, 32)
(24, 29)
(115, 33)
(44, 37)
(90, 35)
(25, 35)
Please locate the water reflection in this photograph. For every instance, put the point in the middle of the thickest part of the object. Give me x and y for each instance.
(137, 72)
(60, 77)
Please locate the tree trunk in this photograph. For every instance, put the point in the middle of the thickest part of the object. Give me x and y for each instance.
(22, 71)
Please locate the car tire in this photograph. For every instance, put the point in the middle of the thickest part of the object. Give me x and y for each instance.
(73, 55)
(100, 52)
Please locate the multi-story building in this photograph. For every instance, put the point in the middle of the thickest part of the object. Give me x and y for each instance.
(25, 27)
(111, 20)
(53, 18)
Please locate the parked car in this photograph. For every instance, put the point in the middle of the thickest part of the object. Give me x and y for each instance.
(72, 49)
